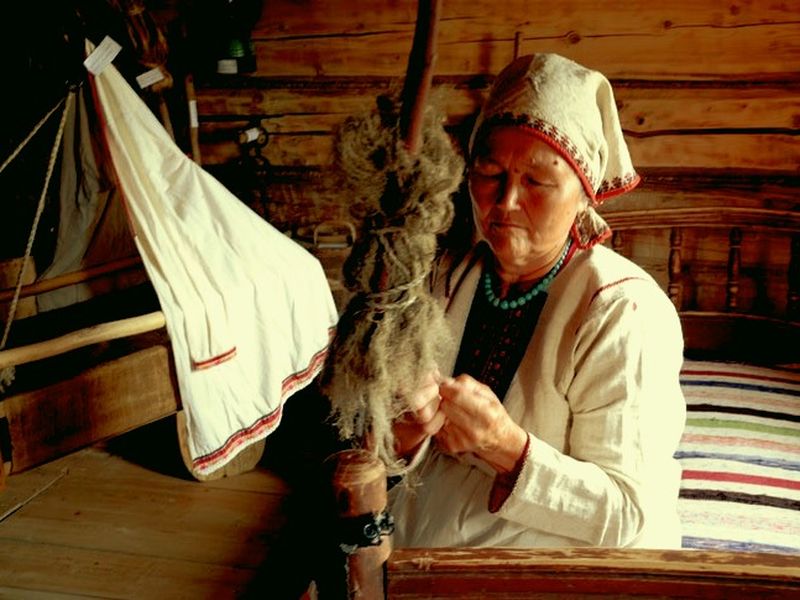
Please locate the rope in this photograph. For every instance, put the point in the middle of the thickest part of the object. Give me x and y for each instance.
(30, 135)
(392, 299)
(7, 374)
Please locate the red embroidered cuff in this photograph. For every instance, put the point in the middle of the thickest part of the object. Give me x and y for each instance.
(198, 365)
(504, 482)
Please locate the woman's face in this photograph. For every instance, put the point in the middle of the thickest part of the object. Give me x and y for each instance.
(525, 197)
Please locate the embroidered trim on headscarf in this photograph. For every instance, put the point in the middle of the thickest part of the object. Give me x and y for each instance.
(572, 109)
(550, 134)
(617, 186)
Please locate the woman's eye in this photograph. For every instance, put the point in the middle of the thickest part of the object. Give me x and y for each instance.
(538, 182)
(486, 169)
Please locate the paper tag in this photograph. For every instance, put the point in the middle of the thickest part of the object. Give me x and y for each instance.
(193, 121)
(227, 66)
(102, 56)
(150, 77)
(251, 134)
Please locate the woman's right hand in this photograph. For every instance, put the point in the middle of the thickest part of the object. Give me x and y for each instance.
(423, 418)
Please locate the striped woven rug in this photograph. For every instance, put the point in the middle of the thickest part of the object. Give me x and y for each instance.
(740, 454)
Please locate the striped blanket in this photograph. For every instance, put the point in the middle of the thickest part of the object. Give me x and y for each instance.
(740, 454)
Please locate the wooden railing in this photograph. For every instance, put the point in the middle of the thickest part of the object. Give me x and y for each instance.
(558, 574)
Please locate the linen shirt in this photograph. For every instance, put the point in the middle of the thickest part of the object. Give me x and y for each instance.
(598, 392)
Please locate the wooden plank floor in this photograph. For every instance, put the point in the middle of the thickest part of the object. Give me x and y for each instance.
(124, 520)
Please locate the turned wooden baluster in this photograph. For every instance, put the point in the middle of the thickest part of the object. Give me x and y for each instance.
(674, 288)
(616, 242)
(3, 431)
(793, 305)
(734, 267)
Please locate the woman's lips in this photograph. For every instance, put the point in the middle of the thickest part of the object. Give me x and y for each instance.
(505, 225)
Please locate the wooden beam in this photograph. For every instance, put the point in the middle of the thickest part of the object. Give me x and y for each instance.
(698, 125)
(106, 400)
(474, 573)
(474, 42)
(719, 216)
(54, 283)
(729, 336)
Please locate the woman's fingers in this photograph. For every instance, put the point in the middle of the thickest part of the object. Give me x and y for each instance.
(476, 419)
(436, 423)
(422, 418)
(466, 398)
(424, 402)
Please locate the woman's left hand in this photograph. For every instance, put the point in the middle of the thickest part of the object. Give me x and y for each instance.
(477, 422)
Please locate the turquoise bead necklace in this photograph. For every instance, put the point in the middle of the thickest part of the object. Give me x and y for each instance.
(531, 293)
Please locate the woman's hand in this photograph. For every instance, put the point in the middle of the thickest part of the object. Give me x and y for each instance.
(422, 420)
(478, 422)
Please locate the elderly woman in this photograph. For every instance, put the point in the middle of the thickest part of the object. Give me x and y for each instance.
(555, 420)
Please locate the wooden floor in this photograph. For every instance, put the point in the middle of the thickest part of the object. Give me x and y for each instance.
(124, 520)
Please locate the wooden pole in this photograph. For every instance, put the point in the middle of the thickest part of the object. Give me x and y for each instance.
(95, 334)
(54, 283)
(359, 490)
(419, 73)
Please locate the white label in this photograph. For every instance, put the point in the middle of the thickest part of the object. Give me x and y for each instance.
(227, 66)
(252, 134)
(193, 122)
(150, 77)
(102, 56)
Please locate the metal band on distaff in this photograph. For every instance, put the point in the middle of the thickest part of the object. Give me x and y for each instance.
(364, 531)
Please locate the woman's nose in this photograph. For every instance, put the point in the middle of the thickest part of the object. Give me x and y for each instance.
(509, 196)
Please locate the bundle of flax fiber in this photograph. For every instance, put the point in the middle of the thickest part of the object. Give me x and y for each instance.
(400, 176)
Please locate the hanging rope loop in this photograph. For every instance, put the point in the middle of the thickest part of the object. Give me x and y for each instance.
(7, 374)
(28, 138)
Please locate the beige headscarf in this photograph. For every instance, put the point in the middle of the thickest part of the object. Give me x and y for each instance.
(571, 108)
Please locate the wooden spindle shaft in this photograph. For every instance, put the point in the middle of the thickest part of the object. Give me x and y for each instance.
(674, 267)
(734, 268)
(793, 303)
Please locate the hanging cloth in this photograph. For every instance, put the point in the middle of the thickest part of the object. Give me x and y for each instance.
(248, 311)
(92, 226)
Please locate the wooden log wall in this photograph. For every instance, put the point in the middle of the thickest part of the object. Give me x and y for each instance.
(709, 97)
